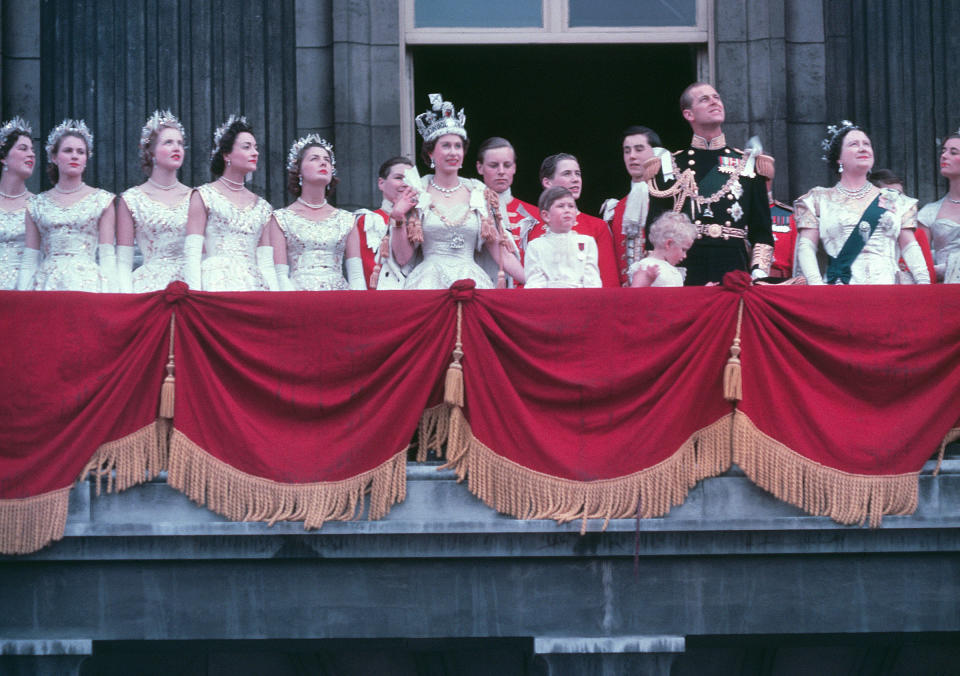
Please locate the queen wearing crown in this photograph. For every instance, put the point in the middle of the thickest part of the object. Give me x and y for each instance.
(450, 221)
(16, 166)
(227, 247)
(155, 212)
(311, 236)
(72, 225)
(860, 226)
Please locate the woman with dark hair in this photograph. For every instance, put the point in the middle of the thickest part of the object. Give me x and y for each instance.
(73, 224)
(17, 160)
(154, 212)
(859, 225)
(452, 221)
(228, 221)
(942, 218)
(311, 236)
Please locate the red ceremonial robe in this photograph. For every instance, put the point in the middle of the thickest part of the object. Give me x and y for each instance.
(368, 249)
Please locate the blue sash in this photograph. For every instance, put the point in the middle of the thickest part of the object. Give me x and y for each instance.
(839, 267)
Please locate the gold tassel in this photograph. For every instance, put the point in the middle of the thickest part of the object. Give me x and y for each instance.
(167, 390)
(384, 253)
(414, 227)
(453, 387)
(732, 378)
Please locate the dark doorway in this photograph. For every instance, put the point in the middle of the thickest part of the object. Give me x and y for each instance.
(561, 98)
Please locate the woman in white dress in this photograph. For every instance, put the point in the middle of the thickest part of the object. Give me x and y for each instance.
(942, 218)
(155, 212)
(311, 236)
(228, 222)
(73, 224)
(16, 166)
(860, 226)
(451, 222)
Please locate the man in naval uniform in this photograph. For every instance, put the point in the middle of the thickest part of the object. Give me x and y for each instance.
(722, 189)
(372, 225)
(626, 217)
(497, 165)
(563, 170)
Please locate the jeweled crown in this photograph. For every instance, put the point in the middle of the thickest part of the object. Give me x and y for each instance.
(17, 126)
(69, 126)
(303, 142)
(441, 120)
(221, 130)
(159, 119)
(833, 131)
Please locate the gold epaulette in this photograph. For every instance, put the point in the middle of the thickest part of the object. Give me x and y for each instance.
(765, 166)
(650, 168)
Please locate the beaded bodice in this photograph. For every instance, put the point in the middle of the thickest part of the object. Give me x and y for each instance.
(455, 235)
(11, 245)
(72, 230)
(160, 229)
(315, 244)
(232, 230)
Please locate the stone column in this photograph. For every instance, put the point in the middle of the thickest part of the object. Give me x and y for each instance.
(20, 69)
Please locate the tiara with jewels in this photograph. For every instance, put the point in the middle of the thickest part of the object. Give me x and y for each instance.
(303, 142)
(222, 129)
(833, 131)
(16, 126)
(431, 126)
(160, 118)
(69, 126)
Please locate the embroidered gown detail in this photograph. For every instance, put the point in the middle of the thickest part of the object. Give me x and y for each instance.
(315, 249)
(68, 241)
(835, 216)
(160, 231)
(230, 242)
(448, 250)
(12, 236)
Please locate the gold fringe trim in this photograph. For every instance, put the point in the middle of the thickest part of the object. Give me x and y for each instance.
(30, 524)
(951, 436)
(816, 489)
(523, 493)
(434, 426)
(136, 458)
(243, 497)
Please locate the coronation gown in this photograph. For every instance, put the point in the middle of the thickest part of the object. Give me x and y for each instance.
(68, 242)
(944, 241)
(835, 216)
(12, 235)
(230, 241)
(160, 231)
(315, 249)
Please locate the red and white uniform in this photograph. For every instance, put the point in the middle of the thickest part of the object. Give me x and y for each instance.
(520, 218)
(784, 229)
(372, 226)
(626, 219)
(598, 229)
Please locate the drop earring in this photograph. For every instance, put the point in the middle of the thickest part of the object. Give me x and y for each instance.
(432, 164)
(228, 161)
(839, 167)
(300, 180)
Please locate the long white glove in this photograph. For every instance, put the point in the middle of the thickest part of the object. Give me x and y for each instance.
(267, 267)
(355, 274)
(807, 261)
(108, 267)
(28, 268)
(192, 253)
(283, 277)
(125, 268)
(913, 257)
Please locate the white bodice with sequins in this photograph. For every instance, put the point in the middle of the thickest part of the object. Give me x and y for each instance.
(68, 241)
(11, 245)
(230, 243)
(944, 240)
(835, 216)
(160, 231)
(448, 250)
(315, 249)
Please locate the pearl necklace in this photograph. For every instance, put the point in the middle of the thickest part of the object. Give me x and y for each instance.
(14, 197)
(230, 184)
(855, 194)
(447, 192)
(161, 186)
(949, 199)
(68, 192)
(313, 206)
